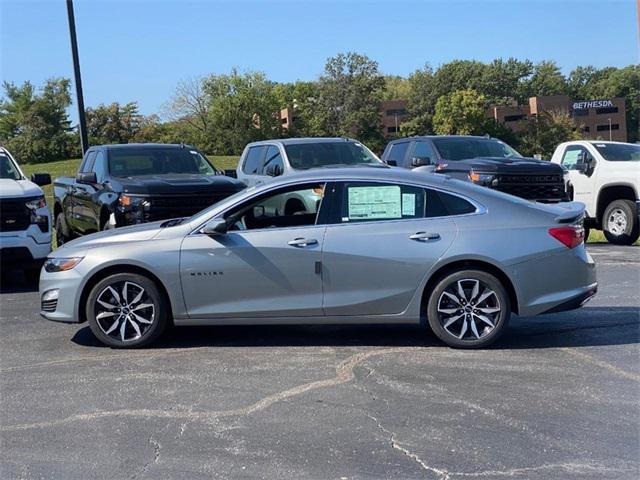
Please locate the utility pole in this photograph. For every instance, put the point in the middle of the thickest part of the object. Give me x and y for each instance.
(78, 81)
(609, 128)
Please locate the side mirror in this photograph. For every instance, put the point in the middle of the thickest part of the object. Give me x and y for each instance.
(87, 177)
(217, 226)
(585, 164)
(274, 170)
(41, 179)
(420, 161)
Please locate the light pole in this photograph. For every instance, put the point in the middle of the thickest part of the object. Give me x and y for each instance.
(609, 128)
(78, 81)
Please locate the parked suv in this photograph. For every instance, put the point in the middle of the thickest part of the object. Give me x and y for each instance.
(482, 160)
(25, 221)
(606, 178)
(120, 185)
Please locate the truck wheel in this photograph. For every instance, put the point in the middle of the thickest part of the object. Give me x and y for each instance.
(468, 309)
(62, 235)
(620, 222)
(127, 310)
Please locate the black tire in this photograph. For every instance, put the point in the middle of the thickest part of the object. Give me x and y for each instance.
(477, 333)
(621, 217)
(62, 230)
(149, 333)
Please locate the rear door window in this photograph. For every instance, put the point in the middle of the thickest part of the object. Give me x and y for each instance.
(397, 152)
(254, 159)
(365, 202)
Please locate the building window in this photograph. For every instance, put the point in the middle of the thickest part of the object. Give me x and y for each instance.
(393, 129)
(580, 113)
(605, 128)
(602, 111)
(514, 118)
(396, 111)
(586, 129)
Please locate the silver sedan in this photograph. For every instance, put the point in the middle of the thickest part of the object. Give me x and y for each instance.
(376, 246)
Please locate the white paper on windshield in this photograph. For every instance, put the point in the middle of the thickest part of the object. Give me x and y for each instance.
(409, 204)
(369, 203)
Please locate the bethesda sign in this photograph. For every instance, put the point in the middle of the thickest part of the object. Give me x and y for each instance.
(592, 104)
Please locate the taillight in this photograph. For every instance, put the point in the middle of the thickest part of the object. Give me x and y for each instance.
(570, 236)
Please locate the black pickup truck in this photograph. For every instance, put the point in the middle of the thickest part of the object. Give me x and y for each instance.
(484, 161)
(120, 185)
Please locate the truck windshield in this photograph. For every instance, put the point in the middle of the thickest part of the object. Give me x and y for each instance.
(466, 148)
(303, 156)
(8, 169)
(134, 162)
(619, 152)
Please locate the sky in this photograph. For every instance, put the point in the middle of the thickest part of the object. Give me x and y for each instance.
(138, 50)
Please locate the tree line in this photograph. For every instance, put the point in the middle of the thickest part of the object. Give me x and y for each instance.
(221, 113)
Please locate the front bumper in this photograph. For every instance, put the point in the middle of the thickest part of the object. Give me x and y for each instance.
(68, 285)
(17, 247)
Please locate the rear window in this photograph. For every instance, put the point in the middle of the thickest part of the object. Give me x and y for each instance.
(619, 152)
(303, 156)
(157, 161)
(465, 148)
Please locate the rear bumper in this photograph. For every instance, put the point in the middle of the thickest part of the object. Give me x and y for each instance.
(560, 281)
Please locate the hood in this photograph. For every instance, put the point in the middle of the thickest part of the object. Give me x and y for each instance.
(18, 188)
(179, 184)
(134, 233)
(504, 165)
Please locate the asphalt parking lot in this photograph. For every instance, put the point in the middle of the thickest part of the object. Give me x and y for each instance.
(558, 397)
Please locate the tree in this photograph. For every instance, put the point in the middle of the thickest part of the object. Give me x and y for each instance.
(302, 98)
(462, 112)
(396, 88)
(36, 127)
(349, 95)
(243, 108)
(545, 131)
(113, 123)
(547, 79)
(190, 106)
(421, 104)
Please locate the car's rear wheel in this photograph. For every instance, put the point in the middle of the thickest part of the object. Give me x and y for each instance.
(468, 309)
(127, 310)
(620, 222)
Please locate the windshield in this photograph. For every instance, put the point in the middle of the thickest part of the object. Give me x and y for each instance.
(465, 148)
(303, 156)
(619, 152)
(8, 169)
(134, 162)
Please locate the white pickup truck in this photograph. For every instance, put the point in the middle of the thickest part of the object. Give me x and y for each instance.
(606, 178)
(25, 221)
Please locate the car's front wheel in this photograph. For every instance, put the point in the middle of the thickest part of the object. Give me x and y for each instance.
(126, 310)
(468, 309)
(620, 223)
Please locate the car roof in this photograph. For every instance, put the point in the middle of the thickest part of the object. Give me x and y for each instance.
(433, 137)
(142, 146)
(297, 141)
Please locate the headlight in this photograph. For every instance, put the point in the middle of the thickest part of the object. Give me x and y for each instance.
(483, 178)
(61, 264)
(36, 203)
(134, 208)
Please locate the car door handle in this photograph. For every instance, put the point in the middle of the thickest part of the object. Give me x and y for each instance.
(302, 242)
(424, 236)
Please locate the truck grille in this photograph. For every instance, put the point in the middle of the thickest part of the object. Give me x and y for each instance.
(166, 207)
(14, 215)
(533, 187)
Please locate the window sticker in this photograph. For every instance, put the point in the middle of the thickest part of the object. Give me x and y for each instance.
(376, 202)
(409, 204)
(601, 145)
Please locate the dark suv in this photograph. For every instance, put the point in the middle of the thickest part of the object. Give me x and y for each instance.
(482, 160)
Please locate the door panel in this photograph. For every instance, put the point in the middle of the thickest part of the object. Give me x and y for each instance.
(253, 273)
(374, 268)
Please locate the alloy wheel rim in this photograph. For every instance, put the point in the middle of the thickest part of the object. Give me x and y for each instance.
(617, 222)
(469, 309)
(124, 311)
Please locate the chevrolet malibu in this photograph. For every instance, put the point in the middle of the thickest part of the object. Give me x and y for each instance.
(379, 245)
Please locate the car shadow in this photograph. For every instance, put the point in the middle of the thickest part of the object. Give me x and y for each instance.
(595, 326)
(12, 280)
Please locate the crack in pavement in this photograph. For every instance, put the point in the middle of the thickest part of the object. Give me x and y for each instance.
(344, 373)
